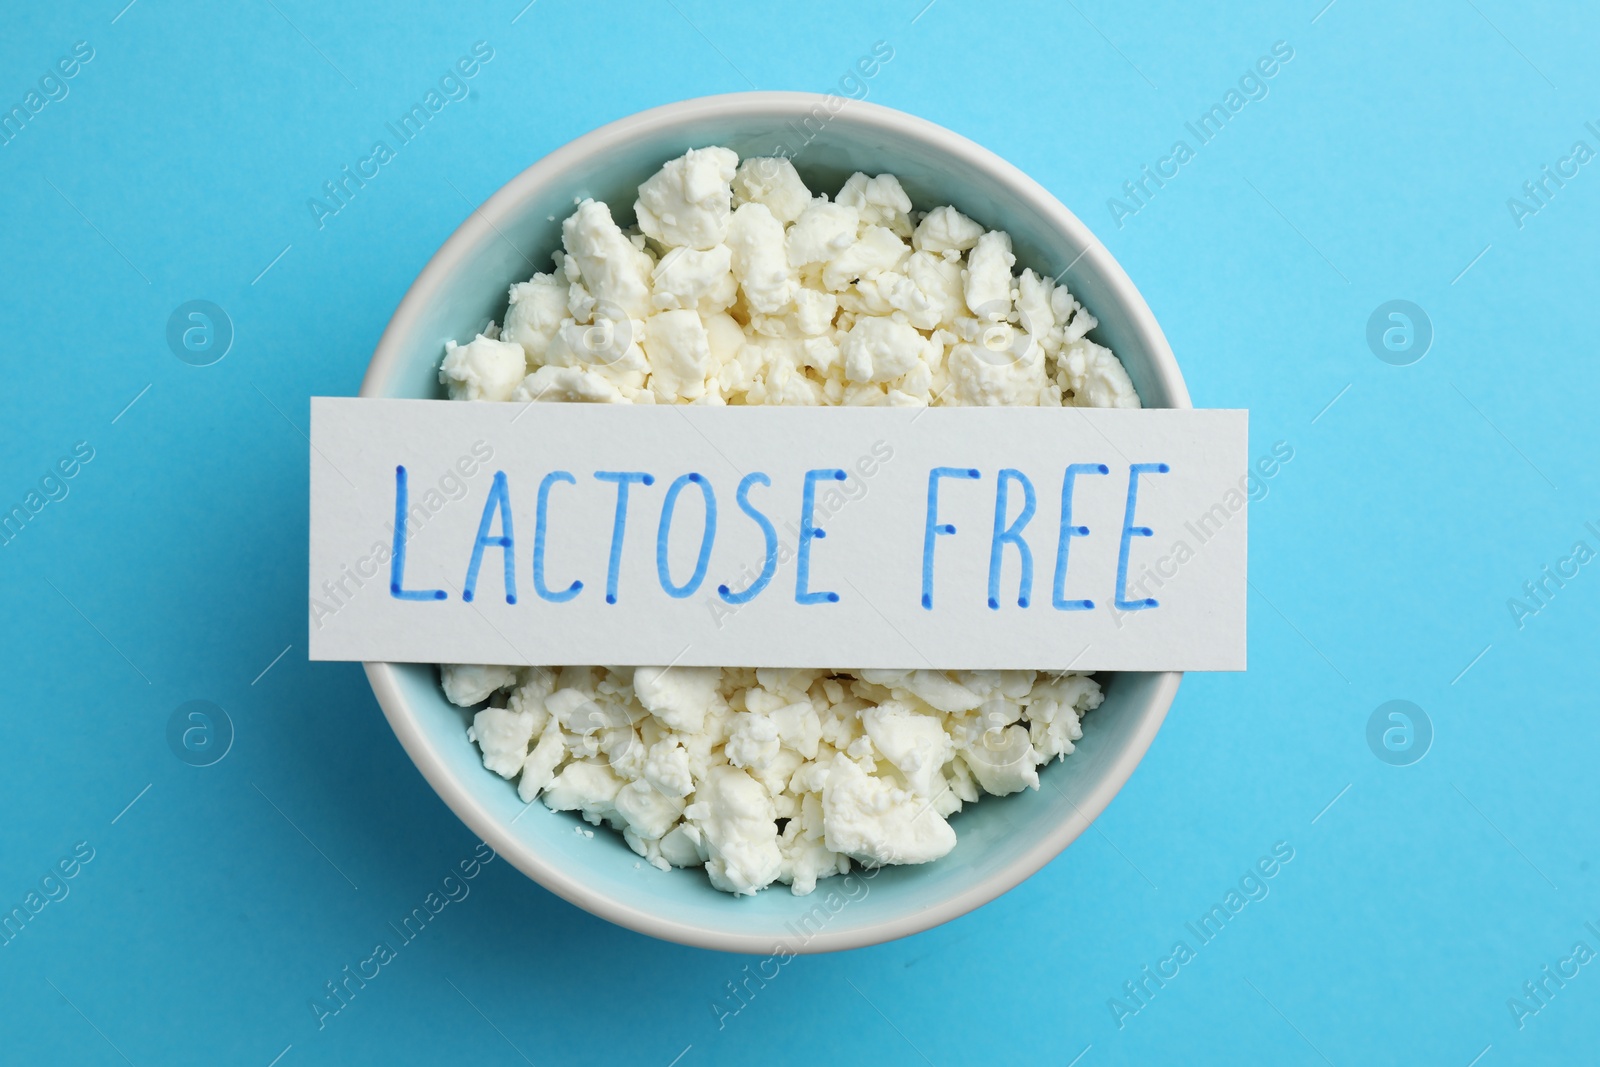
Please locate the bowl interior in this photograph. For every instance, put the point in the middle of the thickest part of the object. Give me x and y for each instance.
(1001, 840)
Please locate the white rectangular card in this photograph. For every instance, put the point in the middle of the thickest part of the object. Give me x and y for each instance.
(843, 537)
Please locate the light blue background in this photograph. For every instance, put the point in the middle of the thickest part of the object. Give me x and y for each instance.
(1378, 168)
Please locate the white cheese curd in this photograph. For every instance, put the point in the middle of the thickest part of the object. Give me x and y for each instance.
(613, 271)
(759, 262)
(988, 276)
(566, 383)
(1095, 374)
(875, 822)
(880, 350)
(876, 251)
(822, 231)
(693, 278)
(880, 200)
(944, 229)
(483, 369)
(773, 181)
(469, 684)
(537, 307)
(679, 697)
(741, 286)
(687, 202)
(680, 355)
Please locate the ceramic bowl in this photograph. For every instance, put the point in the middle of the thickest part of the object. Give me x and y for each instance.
(1002, 840)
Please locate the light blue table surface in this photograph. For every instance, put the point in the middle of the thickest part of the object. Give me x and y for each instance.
(1379, 165)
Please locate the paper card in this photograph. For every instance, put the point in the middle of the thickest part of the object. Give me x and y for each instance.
(951, 538)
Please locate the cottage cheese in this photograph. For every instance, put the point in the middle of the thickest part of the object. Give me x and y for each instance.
(740, 286)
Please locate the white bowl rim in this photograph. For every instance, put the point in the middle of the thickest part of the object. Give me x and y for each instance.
(478, 226)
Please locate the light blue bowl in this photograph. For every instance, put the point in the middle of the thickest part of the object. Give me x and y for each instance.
(1002, 840)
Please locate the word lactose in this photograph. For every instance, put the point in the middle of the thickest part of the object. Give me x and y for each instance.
(1016, 503)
